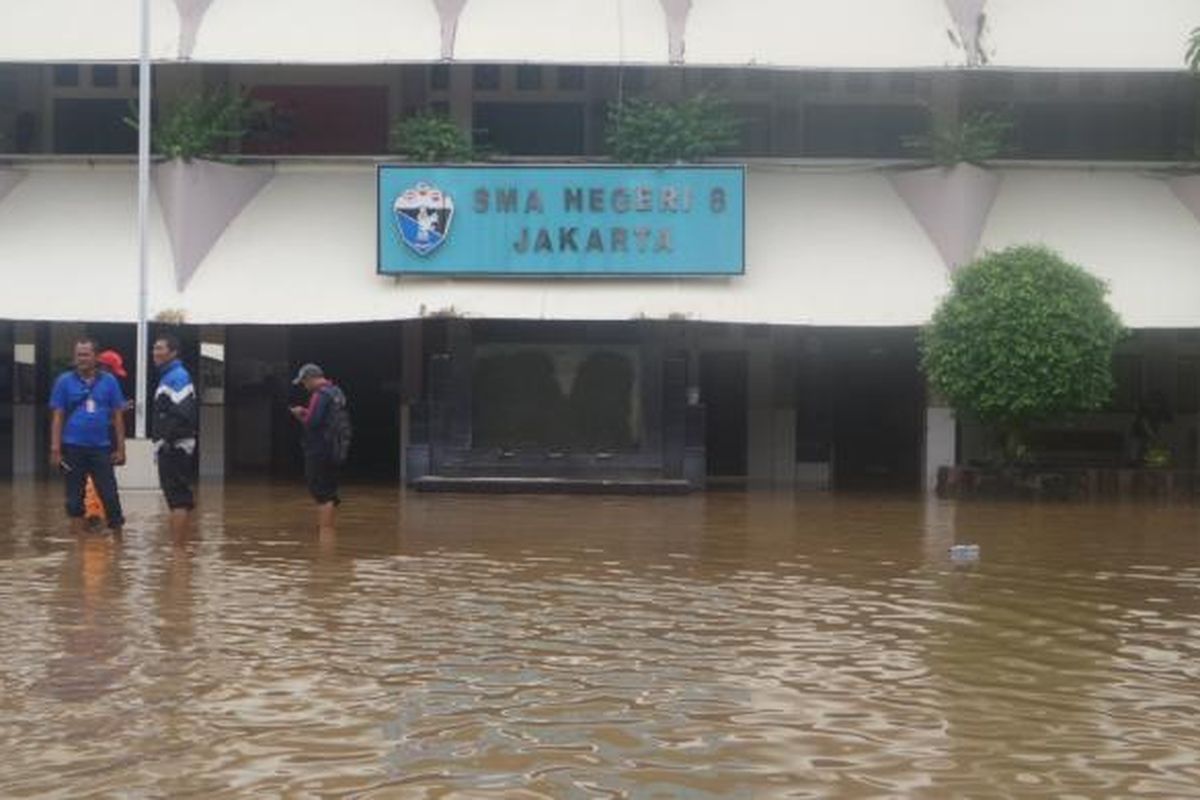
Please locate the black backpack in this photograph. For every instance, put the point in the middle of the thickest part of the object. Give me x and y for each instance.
(338, 431)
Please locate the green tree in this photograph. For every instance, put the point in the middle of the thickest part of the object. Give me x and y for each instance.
(1193, 51)
(430, 139)
(1023, 336)
(648, 132)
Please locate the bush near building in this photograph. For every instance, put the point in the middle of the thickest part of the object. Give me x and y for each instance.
(204, 124)
(649, 132)
(430, 138)
(1023, 336)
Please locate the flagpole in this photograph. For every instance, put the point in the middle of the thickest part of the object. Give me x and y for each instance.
(143, 199)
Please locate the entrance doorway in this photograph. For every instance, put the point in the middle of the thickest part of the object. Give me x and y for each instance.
(878, 402)
(724, 376)
(364, 360)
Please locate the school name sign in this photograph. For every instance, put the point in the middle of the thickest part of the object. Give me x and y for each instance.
(582, 221)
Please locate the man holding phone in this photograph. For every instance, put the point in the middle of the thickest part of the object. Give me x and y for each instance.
(84, 404)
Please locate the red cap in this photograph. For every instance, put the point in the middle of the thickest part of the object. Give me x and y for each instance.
(112, 359)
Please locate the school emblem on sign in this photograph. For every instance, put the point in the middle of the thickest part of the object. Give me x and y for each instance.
(423, 213)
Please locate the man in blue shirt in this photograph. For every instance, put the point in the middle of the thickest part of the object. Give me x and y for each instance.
(85, 403)
(175, 423)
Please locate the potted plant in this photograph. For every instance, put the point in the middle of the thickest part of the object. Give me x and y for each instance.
(199, 194)
(650, 132)
(430, 138)
(952, 198)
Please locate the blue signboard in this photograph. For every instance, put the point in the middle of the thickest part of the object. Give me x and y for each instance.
(587, 220)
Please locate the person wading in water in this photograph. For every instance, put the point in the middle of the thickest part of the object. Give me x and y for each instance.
(87, 435)
(326, 441)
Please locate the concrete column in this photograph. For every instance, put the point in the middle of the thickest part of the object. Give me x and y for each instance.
(7, 373)
(209, 381)
(25, 450)
(783, 407)
(939, 442)
(140, 470)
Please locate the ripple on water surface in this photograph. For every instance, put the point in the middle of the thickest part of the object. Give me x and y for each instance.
(717, 646)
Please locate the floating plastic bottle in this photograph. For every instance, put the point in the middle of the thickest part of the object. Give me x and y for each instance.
(964, 552)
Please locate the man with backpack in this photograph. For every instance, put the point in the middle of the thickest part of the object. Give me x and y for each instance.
(326, 424)
(87, 435)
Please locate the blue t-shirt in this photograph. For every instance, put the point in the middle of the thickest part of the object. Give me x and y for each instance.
(88, 407)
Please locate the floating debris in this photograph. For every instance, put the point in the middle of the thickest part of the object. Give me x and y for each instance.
(964, 552)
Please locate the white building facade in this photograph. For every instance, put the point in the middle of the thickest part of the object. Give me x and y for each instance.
(801, 371)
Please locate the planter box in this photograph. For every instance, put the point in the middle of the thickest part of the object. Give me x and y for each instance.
(1068, 483)
(952, 206)
(199, 200)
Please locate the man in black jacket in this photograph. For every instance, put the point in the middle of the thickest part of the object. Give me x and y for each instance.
(175, 424)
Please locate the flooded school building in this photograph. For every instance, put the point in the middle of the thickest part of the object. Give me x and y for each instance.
(552, 314)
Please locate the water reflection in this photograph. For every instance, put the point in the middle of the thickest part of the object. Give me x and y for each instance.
(715, 646)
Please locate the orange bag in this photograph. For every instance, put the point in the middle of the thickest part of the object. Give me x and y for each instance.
(93, 508)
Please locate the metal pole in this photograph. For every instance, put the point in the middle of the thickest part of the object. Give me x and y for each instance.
(144, 94)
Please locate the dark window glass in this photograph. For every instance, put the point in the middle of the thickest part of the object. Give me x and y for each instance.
(1127, 375)
(758, 80)
(861, 131)
(92, 126)
(818, 82)
(633, 80)
(713, 78)
(135, 76)
(570, 79)
(1093, 130)
(66, 74)
(320, 119)
(1188, 386)
(439, 77)
(902, 83)
(529, 77)
(104, 76)
(486, 77)
(1045, 84)
(530, 129)
(753, 129)
(858, 83)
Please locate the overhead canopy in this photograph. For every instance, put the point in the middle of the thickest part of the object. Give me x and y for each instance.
(825, 246)
(799, 34)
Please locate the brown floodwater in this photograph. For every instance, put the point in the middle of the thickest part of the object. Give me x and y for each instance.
(724, 645)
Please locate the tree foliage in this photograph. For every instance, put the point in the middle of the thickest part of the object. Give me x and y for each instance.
(204, 124)
(1193, 51)
(649, 132)
(973, 139)
(1023, 335)
(430, 139)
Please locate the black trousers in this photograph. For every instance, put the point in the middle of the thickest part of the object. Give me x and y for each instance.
(80, 462)
(175, 478)
(321, 475)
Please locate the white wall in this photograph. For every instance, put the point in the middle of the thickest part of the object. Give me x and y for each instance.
(826, 245)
